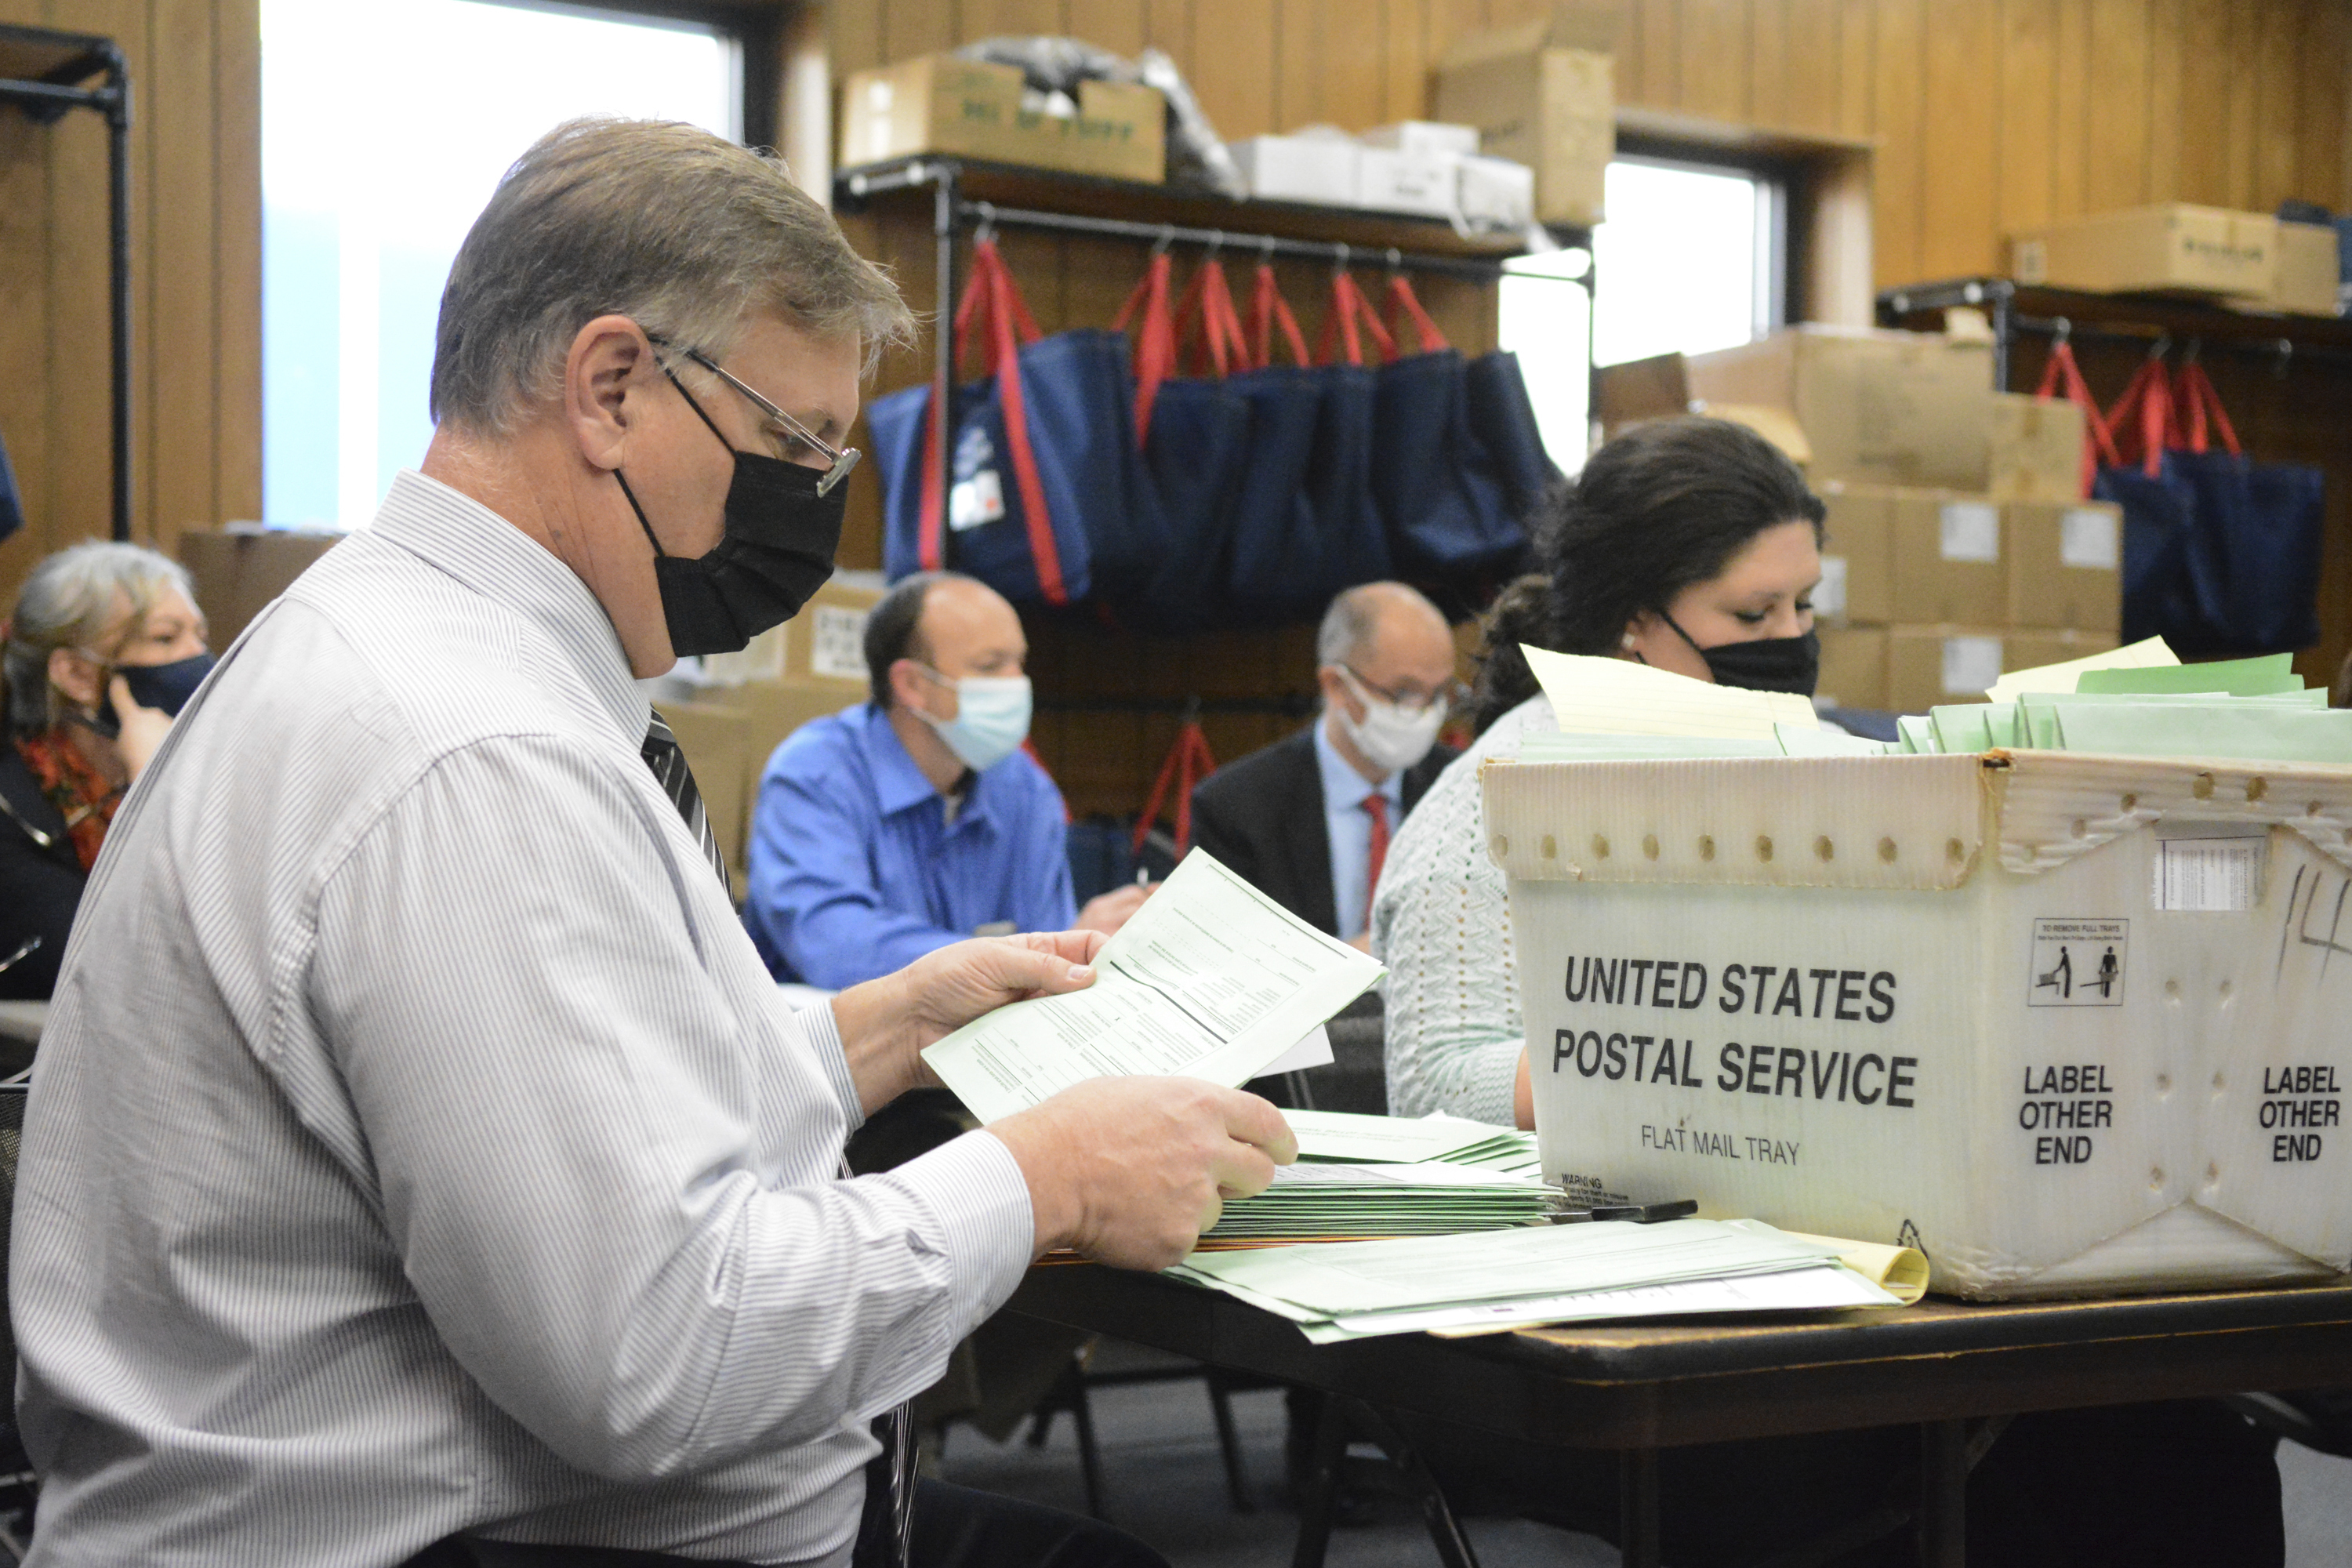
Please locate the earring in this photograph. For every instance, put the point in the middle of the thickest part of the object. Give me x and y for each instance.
(1626, 642)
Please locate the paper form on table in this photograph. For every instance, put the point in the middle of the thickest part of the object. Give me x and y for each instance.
(2145, 655)
(1618, 697)
(1210, 978)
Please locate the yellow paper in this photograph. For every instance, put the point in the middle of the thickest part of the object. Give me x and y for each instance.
(1619, 697)
(2148, 654)
(1900, 1271)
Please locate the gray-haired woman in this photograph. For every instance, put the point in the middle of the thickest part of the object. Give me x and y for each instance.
(105, 647)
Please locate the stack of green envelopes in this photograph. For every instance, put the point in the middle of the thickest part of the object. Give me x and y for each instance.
(1316, 1199)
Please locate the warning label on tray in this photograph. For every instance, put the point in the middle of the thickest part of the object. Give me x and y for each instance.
(2078, 963)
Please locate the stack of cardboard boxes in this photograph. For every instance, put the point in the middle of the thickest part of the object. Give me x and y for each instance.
(1958, 548)
(2246, 260)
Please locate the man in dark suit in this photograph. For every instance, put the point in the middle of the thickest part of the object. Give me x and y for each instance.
(1308, 819)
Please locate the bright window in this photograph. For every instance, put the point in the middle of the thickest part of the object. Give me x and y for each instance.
(385, 129)
(1544, 315)
(1689, 260)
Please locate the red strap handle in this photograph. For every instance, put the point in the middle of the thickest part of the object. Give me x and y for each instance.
(1188, 762)
(994, 312)
(1268, 308)
(2097, 441)
(1401, 298)
(2147, 401)
(1349, 311)
(2196, 389)
(1220, 343)
(1155, 340)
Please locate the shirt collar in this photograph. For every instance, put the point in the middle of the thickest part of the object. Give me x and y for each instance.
(1344, 788)
(482, 550)
(898, 783)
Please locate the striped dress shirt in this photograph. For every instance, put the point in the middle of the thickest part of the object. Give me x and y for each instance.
(418, 1145)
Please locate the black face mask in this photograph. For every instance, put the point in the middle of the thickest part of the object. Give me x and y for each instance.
(777, 550)
(166, 686)
(1772, 664)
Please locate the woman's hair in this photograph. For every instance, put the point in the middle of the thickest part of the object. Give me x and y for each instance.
(1663, 507)
(72, 600)
(682, 231)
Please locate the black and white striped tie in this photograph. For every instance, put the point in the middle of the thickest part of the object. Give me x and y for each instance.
(667, 760)
(886, 1525)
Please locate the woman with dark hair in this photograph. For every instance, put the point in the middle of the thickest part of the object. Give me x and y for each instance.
(1690, 545)
(1694, 545)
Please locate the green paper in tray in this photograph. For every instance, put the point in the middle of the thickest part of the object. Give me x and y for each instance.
(1961, 727)
(2244, 731)
(1917, 734)
(2237, 677)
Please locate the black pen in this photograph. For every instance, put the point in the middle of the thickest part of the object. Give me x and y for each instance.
(1639, 1213)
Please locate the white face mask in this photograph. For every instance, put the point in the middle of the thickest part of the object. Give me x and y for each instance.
(992, 718)
(1389, 738)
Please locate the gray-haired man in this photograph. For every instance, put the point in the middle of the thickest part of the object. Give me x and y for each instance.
(420, 1166)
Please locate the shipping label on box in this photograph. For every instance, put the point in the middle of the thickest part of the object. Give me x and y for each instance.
(1962, 1001)
(1947, 559)
(2065, 564)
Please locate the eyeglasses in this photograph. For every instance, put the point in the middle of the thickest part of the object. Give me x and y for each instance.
(1445, 697)
(840, 459)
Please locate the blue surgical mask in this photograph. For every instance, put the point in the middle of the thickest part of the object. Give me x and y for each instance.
(992, 718)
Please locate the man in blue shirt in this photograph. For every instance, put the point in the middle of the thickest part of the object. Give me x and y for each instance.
(915, 820)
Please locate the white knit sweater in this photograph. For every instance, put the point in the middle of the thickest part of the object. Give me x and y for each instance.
(1440, 921)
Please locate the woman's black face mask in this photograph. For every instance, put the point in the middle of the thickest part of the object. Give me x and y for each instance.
(777, 549)
(165, 686)
(1769, 664)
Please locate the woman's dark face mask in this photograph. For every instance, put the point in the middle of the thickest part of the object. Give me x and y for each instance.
(1767, 664)
(165, 686)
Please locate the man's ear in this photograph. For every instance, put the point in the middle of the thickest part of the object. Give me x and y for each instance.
(906, 683)
(604, 375)
(1335, 693)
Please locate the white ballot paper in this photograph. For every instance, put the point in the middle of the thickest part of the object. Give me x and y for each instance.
(1618, 697)
(1210, 978)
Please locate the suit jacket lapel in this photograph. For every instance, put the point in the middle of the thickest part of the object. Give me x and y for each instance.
(1308, 836)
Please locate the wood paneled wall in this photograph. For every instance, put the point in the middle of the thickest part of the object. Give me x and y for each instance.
(195, 307)
(2034, 109)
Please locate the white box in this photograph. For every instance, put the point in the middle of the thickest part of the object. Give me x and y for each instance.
(1424, 136)
(2072, 1024)
(1299, 168)
(1420, 184)
(1497, 192)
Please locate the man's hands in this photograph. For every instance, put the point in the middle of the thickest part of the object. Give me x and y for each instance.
(885, 1024)
(1129, 1170)
(144, 728)
(1106, 912)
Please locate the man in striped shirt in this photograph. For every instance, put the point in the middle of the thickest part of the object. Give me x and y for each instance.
(420, 1167)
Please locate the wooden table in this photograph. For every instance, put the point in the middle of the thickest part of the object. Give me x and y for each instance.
(1639, 1387)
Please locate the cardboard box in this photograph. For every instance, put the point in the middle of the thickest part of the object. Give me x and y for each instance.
(239, 569)
(1544, 94)
(826, 641)
(1853, 667)
(2030, 648)
(1419, 184)
(2309, 269)
(1895, 408)
(2174, 248)
(2036, 451)
(1317, 169)
(2065, 564)
(1857, 558)
(972, 109)
(1949, 559)
(715, 740)
(1425, 138)
(1927, 666)
(1909, 999)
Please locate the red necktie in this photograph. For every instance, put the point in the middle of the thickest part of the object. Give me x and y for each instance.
(1376, 806)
